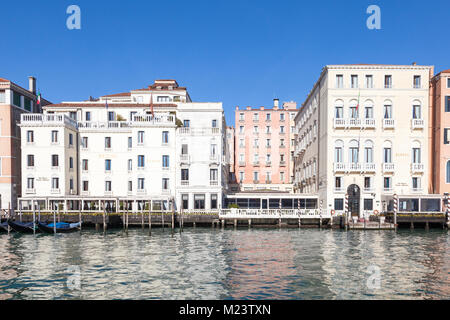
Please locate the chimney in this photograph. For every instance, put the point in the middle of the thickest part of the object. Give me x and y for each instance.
(276, 103)
(32, 84)
(414, 63)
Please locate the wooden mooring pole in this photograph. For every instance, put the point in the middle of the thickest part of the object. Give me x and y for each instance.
(173, 215)
(104, 220)
(34, 219)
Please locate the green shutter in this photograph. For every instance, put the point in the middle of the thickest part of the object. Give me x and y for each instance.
(447, 104)
(16, 99)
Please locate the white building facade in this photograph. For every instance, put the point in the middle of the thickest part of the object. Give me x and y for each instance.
(127, 146)
(364, 131)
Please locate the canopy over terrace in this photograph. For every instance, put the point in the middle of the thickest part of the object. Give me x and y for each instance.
(271, 200)
(430, 203)
(95, 204)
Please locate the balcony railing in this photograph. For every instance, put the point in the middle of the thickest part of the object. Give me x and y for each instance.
(417, 123)
(213, 183)
(184, 182)
(354, 167)
(242, 163)
(417, 167)
(184, 158)
(388, 123)
(268, 163)
(388, 167)
(369, 167)
(30, 191)
(55, 190)
(46, 119)
(256, 163)
(282, 163)
(354, 123)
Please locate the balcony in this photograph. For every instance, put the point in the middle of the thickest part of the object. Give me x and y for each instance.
(388, 167)
(184, 182)
(339, 189)
(141, 192)
(417, 167)
(339, 167)
(417, 123)
(85, 193)
(44, 120)
(268, 163)
(242, 163)
(213, 183)
(369, 123)
(30, 191)
(388, 123)
(214, 158)
(184, 158)
(369, 167)
(416, 190)
(282, 163)
(351, 123)
(256, 163)
(108, 193)
(55, 191)
(354, 167)
(339, 123)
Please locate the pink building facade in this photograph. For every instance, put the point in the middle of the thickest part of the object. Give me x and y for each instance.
(440, 96)
(263, 140)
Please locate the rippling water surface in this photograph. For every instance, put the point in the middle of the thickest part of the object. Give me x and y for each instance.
(226, 264)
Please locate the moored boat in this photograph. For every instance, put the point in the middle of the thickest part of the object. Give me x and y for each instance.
(60, 227)
(23, 227)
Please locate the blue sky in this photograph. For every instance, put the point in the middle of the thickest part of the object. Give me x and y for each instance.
(238, 52)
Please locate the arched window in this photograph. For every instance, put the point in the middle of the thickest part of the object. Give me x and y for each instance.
(353, 151)
(417, 110)
(368, 151)
(368, 109)
(415, 153)
(338, 151)
(387, 152)
(387, 109)
(339, 109)
(353, 109)
(448, 172)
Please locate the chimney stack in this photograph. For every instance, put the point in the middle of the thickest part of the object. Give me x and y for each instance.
(276, 103)
(32, 84)
(414, 63)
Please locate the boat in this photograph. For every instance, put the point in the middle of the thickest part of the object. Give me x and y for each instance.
(4, 226)
(23, 227)
(60, 227)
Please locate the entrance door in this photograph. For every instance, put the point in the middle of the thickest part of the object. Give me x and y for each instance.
(354, 199)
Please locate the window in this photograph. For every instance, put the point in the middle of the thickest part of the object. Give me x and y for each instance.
(70, 163)
(16, 99)
(267, 129)
(339, 107)
(368, 110)
(214, 123)
(213, 150)
(130, 165)
(387, 113)
(268, 143)
(241, 176)
(28, 105)
(447, 179)
(84, 142)
(282, 143)
(85, 185)
(130, 186)
(338, 204)
(213, 175)
(338, 183)
(387, 155)
(387, 183)
(241, 143)
(281, 129)
(354, 81)
(241, 129)
(368, 152)
(30, 136)
(416, 155)
(416, 113)
(141, 161)
(367, 182)
(107, 142)
(30, 183)
(255, 117)
(388, 81)
(141, 183)
(130, 142)
(140, 138)
(55, 183)
(199, 201)
(241, 117)
(30, 160)
(281, 116)
(338, 150)
(213, 201)
(70, 139)
(184, 174)
(184, 149)
(165, 161)
(165, 137)
(71, 184)
(85, 165)
(107, 165)
(368, 204)
(447, 103)
(256, 176)
(354, 151)
(448, 83)
(354, 109)
(2, 97)
(55, 162)
(111, 116)
(416, 183)
(268, 177)
(185, 201)
(54, 136)
(87, 116)
(73, 115)
(256, 143)
(108, 185)
(339, 81)
(268, 116)
(369, 81)
(416, 82)
(282, 176)
(165, 183)
(186, 123)
(446, 137)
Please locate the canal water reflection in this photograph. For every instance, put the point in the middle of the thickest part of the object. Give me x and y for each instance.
(226, 264)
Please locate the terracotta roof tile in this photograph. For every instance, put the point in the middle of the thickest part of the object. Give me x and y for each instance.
(122, 94)
(3, 80)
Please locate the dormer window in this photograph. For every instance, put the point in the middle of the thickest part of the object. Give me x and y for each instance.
(170, 87)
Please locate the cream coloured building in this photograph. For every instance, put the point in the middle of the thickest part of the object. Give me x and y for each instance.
(364, 131)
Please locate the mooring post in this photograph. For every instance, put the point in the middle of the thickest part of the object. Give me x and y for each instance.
(149, 222)
(79, 218)
(235, 223)
(126, 225)
(299, 222)
(395, 210)
(173, 215)
(34, 219)
(346, 213)
(447, 208)
(54, 221)
(59, 220)
(162, 218)
(9, 216)
(123, 214)
(249, 223)
(104, 220)
(223, 223)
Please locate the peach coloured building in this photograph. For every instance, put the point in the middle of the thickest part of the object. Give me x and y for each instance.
(263, 147)
(14, 100)
(440, 102)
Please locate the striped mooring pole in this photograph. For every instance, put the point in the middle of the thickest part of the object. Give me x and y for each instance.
(447, 207)
(395, 210)
(347, 218)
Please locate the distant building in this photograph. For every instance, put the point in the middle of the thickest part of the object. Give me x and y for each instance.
(440, 151)
(14, 101)
(263, 147)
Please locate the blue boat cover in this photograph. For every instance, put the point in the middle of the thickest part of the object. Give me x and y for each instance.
(59, 225)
